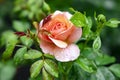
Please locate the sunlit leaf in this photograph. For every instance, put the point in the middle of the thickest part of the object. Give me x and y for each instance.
(26, 41)
(51, 67)
(36, 68)
(8, 36)
(78, 19)
(46, 7)
(9, 50)
(46, 75)
(32, 54)
(89, 22)
(20, 26)
(86, 32)
(19, 56)
(115, 68)
(49, 56)
(101, 18)
(113, 23)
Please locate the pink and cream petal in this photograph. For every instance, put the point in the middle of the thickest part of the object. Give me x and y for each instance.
(64, 35)
(59, 43)
(70, 53)
(68, 15)
(75, 36)
(46, 47)
(56, 13)
(41, 23)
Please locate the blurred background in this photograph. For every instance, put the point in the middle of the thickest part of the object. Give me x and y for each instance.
(18, 15)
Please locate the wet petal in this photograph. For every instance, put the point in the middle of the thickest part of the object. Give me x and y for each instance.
(75, 36)
(46, 47)
(70, 53)
(59, 43)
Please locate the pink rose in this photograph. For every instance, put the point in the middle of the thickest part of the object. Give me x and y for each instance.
(57, 36)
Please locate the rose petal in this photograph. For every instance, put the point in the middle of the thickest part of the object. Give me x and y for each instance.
(64, 35)
(68, 15)
(75, 36)
(46, 47)
(59, 43)
(70, 53)
(56, 13)
(41, 23)
(44, 37)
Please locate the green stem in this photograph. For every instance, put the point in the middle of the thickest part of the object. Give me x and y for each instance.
(99, 29)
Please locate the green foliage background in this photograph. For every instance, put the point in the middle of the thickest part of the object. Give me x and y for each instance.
(15, 13)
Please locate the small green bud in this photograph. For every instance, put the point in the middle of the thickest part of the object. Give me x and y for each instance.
(46, 7)
(101, 18)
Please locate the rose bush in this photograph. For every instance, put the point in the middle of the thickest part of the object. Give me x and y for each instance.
(57, 35)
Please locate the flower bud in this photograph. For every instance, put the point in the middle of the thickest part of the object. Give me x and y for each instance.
(101, 18)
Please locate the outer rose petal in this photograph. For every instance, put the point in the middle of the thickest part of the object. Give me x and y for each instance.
(67, 14)
(69, 53)
(41, 23)
(75, 36)
(46, 47)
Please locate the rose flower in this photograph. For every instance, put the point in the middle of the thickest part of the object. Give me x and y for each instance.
(57, 35)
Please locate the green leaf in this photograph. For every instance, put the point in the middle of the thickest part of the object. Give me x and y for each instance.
(46, 7)
(89, 53)
(24, 13)
(101, 18)
(78, 73)
(86, 31)
(9, 50)
(49, 56)
(97, 43)
(26, 41)
(32, 54)
(20, 26)
(87, 28)
(51, 67)
(37, 78)
(107, 74)
(115, 68)
(7, 72)
(113, 23)
(78, 19)
(46, 75)
(10, 39)
(103, 73)
(5, 38)
(104, 60)
(18, 58)
(86, 64)
(89, 22)
(36, 68)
